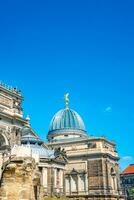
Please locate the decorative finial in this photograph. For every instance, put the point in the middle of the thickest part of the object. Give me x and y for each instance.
(28, 118)
(66, 97)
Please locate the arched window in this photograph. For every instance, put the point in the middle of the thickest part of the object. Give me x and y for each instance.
(74, 183)
(67, 185)
(112, 172)
(2, 140)
(82, 184)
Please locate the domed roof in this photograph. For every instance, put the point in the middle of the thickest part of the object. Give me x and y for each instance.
(28, 137)
(41, 151)
(66, 124)
(29, 140)
(66, 119)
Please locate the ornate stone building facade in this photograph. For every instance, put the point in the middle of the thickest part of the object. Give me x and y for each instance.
(92, 169)
(70, 164)
(28, 169)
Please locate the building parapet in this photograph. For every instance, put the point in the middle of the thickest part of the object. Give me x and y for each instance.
(14, 90)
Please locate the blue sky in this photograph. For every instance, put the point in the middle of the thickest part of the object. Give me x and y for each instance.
(82, 47)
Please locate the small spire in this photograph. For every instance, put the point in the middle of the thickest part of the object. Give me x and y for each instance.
(28, 118)
(28, 121)
(66, 97)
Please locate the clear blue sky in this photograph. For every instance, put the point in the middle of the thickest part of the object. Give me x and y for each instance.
(83, 47)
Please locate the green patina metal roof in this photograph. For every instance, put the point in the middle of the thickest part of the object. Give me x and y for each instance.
(66, 119)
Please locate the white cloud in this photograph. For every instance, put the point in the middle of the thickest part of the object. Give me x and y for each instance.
(108, 109)
(127, 158)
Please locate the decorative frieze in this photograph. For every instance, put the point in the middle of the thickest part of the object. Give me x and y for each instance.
(6, 101)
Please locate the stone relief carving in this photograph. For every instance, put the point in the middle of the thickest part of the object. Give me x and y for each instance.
(5, 101)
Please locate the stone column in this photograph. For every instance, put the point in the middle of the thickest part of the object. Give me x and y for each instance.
(55, 177)
(107, 175)
(50, 182)
(70, 185)
(61, 178)
(44, 177)
(78, 183)
(86, 183)
(1, 163)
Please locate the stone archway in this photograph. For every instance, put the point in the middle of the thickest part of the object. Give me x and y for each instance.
(2, 140)
(4, 144)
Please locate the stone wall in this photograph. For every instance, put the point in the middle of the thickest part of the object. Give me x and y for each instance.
(95, 175)
(20, 180)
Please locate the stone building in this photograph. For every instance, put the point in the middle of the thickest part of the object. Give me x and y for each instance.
(92, 169)
(127, 181)
(71, 163)
(28, 169)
